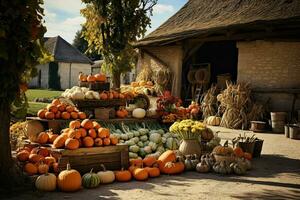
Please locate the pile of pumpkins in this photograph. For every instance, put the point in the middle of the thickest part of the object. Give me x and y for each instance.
(37, 160)
(92, 78)
(87, 133)
(59, 110)
(70, 180)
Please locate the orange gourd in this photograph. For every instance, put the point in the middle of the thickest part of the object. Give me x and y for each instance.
(59, 142)
(82, 77)
(114, 140)
(30, 169)
(69, 180)
(69, 109)
(103, 96)
(52, 108)
(238, 151)
(87, 124)
(83, 132)
(96, 125)
(91, 78)
(74, 124)
(49, 115)
(100, 77)
(61, 107)
(92, 133)
(81, 115)
(41, 113)
(98, 142)
(74, 115)
(52, 137)
(49, 160)
(35, 158)
(153, 171)
(23, 155)
(103, 132)
(149, 161)
(172, 168)
(42, 138)
(71, 144)
(57, 115)
(106, 141)
(123, 175)
(248, 156)
(88, 141)
(55, 102)
(65, 115)
(122, 113)
(136, 162)
(43, 168)
(140, 174)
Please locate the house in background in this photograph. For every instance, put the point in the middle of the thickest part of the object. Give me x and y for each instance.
(255, 41)
(63, 72)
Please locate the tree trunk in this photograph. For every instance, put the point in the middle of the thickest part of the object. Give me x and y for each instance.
(116, 80)
(9, 173)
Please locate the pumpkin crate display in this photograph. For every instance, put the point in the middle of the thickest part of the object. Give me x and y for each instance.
(84, 159)
(99, 103)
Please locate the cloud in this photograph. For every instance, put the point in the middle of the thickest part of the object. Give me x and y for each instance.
(163, 8)
(49, 16)
(66, 28)
(68, 6)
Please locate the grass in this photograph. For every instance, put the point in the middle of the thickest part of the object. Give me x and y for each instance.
(38, 93)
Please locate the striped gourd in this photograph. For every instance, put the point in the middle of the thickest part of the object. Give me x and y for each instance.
(90, 180)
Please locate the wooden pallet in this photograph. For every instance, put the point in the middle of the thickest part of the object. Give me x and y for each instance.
(84, 159)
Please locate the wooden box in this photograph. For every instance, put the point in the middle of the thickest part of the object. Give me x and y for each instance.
(84, 159)
(82, 104)
(102, 113)
(97, 86)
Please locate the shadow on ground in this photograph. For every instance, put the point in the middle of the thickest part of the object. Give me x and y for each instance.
(270, 194)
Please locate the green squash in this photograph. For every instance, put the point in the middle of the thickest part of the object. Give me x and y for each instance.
(90, 180)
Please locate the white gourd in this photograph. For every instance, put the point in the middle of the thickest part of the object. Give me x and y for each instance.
(139, 113)
(213, 121)
(106, 176)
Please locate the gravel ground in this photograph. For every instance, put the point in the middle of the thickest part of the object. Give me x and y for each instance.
(276, 175)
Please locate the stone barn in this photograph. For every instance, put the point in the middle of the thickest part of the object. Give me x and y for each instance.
(63, 72)
(255, 41)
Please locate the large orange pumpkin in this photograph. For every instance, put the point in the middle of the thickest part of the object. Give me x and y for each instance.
(153, 171)
(149, 161)
(172, 168)
(69, 180)
(140, 174)
(59, 142)
(103, 132)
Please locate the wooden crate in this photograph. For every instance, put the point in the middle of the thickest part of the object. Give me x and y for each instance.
(84, 159)
(81, 104)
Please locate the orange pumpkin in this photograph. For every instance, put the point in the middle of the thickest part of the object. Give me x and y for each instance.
(167, 156)
(52, 108)
(106, 141)
(88, 141)
(71, 144)
(149, 161)
(91, 78)
(30, 169)
(49, 160)
(123, 175)
(55, 102)
(121, 114)
(103, 133)
(23, 155)
(81, 115)
(103, 96)
(52, 137)
(153, 171)
(69, 180)
(100, 77)
(132, 168)
(65, 115)
(238, 151)
(82, 77)
(49, 115)
(92, 133)
(43, 168)
(74, 115)
(114, 140)
(69, 109)
(172, 168)
(248, 156)
(61, 107)
(136, 162)
(140, 174)
(43, 151)
(87, 124)
(98, 142)
(83, 132)
(55, 167)
(41, 113)
(57, 115)
(96, 125)
(35, 158)
(74, 124)
(42, 138)
(59, 142)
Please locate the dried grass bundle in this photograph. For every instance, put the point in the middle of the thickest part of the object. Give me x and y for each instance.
(162, 78)
(145, 75)
(209, 102)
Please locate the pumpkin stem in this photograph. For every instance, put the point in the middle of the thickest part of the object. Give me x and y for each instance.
(91, 170)
(68, 166)
(103, 167)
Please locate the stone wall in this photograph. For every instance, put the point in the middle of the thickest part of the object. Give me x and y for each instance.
(172, 56)
(271, 65)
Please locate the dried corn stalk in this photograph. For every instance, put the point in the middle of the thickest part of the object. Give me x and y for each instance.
(162, 78)
(209, 102)
(145, 75)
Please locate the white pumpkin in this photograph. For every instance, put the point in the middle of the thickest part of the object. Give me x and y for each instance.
(139, 113)
(89, 95)
(96, 95)
(78, 95)
(106, 176)
(213, 120)
(46, 182)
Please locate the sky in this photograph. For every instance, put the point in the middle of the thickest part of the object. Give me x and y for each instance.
(62, 17)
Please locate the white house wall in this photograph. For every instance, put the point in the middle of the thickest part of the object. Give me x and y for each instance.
(44, 68)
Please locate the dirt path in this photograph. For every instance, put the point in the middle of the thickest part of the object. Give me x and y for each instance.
(276, 175)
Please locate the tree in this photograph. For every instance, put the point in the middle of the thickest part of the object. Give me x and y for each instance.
(82, 45)
(21, 33)
(112, 26)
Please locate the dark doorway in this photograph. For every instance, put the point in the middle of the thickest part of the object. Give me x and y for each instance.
(221, 56)
(40, 79)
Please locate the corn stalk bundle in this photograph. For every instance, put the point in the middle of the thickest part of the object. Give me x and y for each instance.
(235, 102)
(162, 78)
(209, 102)
(145, 75)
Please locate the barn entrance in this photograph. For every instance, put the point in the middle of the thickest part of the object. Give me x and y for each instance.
(214, 63)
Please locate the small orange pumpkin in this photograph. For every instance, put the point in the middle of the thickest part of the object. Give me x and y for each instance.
(30, 169)
(153, 171)
(41, 113)
(71, 144)
(74, 115)
(59, 142)
(69, 108)
(52, 108)
(91, 78)
(136, 162)
(65, 115)
(43, 168)
(74, 124)
(100, 77)
(103, 133)
(81, 115)
(103, 96)
(98, 142)
(149, 161)
(88, 141)
(42, 138)
(55, 102)
(238, 151)
(69, 180)
(83, 132)
(123, 175)
(52, 137)
(96, 125)
(140, 174)
(49, 115)
(57, 115)
(248, 156)
(92, 133)
(49, 160)
(82, 77)
(61, 107)
(35, 158)
(23, 155)
(87, 124)
(106, 141)
(114, 140)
